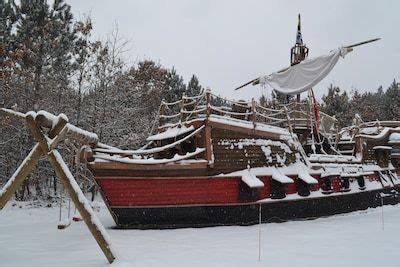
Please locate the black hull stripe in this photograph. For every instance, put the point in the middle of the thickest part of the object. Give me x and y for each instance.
(248, 214)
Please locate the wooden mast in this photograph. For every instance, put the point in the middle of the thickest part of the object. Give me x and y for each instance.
(299, 51)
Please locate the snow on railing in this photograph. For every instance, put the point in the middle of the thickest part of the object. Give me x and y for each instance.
(148, 151)
(150, 161)
(290, 115)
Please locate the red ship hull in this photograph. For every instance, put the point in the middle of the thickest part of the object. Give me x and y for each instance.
(172, 202)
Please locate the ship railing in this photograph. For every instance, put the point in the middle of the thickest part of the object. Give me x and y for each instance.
(293, 115)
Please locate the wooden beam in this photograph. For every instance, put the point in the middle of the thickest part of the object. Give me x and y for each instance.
(29, 162)
(207, 141)
(12, 113)
(81, 203)
(363, 43)
(146, 167)
(245, 130)
(19, 175)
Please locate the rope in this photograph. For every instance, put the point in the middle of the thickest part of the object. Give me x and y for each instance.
(270, 109)
(270, 118)
(171, 103)
(201, 107)
(193, 111)
(232, 101)
(152, 150)
(170, 116)
(190, 103)
(230, 112)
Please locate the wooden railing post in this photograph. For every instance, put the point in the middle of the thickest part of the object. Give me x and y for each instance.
(358, 139)
(207, 130)
(288, 119)
(182, 107)
(208, 103)
(253, 111)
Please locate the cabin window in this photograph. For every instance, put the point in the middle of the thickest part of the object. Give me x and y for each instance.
(303, 188)
(188, 146)
(277, 190)
(326, 185)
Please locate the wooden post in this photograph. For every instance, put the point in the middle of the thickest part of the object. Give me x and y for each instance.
(207, 130)
(19, 175)
(182, 107)
(358, 139)
(72, 188)
(43, 147)
(288, 119)
(207, 136)
(208, 103)
(253, 111)
(28, 164)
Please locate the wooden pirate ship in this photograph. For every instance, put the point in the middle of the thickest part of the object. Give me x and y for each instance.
(244, 162)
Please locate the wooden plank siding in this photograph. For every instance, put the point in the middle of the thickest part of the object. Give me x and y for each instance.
(230, 158)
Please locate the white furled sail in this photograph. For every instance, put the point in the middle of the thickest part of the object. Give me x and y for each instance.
(305, 75)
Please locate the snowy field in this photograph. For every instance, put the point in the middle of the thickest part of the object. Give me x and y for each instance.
(29, 237)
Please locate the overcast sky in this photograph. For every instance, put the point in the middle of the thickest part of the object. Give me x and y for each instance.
(226, 43)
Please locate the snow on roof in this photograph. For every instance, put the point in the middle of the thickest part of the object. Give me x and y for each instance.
(170, 133)
(251, 180)
(280, 177)
(249, 124)
(306, 177)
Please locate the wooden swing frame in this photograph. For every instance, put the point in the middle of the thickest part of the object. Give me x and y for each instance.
(48, 130)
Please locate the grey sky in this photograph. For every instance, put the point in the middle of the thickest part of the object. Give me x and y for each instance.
(226, 43)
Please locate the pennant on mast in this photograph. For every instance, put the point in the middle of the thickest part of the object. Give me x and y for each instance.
(299, 38)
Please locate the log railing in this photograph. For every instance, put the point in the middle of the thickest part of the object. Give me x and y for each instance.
(292, 116)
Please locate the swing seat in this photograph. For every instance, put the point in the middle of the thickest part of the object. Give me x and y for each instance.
(64, 224)
(77, 219)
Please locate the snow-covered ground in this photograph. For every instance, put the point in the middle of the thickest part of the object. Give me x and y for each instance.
(29, 237)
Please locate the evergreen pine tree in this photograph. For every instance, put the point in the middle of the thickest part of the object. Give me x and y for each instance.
(174, 86)
(193, 88)
(45, 36)
(336, 103)
(390, 103)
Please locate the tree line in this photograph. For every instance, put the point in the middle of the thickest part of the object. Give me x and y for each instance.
(49, 61)
(370, 106)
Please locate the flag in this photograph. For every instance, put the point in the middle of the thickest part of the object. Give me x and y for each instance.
(299, 38)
